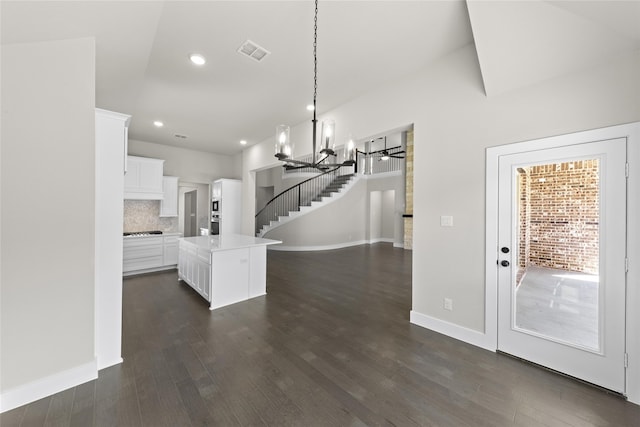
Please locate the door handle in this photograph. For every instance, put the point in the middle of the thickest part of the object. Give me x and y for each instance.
(504, 263)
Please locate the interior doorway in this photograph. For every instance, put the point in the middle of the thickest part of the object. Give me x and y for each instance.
(190, 213)
(381, 216)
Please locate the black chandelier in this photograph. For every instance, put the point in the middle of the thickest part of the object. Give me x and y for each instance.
(320, 159)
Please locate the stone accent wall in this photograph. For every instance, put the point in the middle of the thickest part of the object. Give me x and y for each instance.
(409, 174)
(143, 215)
(559, 216)
(408, 233)
(408, 222)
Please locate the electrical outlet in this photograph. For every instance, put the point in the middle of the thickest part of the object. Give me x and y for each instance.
(448, 304)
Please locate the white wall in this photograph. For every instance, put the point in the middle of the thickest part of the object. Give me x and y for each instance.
(48, 208)
(189, 165)
(454, 122)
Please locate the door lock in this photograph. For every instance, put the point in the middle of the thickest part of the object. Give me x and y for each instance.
(504, 250)
(504, 263)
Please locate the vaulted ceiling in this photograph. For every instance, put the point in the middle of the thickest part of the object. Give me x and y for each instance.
(142, 49)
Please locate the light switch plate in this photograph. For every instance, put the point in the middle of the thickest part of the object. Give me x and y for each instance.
(446, 221)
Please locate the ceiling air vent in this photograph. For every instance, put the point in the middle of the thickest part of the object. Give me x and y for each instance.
(253, 51)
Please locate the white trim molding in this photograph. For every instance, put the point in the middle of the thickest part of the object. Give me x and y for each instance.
(452, 330)
(47, 386)
(328, 247)
(110, 363)
(317, 248)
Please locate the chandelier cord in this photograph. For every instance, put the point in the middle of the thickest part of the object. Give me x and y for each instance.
(315, 57)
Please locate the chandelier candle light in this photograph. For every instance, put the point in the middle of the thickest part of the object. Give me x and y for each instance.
(327, 146)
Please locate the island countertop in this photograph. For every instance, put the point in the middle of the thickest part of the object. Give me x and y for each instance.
(225, 242)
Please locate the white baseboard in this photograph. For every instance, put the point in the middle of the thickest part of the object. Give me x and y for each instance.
(381, 239)
(452, 330)
(110, 363)
(47, 386)
(316, 248)
(328, 247)
(150, 270)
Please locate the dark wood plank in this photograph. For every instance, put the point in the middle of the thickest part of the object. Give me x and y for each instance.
(59, 413)
(329, 345)
(36, 413)
(82, 412)
(12, 418)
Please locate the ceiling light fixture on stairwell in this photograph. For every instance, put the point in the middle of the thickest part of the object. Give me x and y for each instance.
(385, 155)
(284, 146)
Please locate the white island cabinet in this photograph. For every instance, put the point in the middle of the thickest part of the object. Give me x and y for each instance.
(226, 268)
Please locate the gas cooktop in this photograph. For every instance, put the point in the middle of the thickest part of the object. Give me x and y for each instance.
(141, 233)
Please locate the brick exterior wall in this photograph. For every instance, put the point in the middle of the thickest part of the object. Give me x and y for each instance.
(559, 216)
(408, 222)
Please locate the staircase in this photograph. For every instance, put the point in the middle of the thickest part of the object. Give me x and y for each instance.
(334, 187)
(300, 199)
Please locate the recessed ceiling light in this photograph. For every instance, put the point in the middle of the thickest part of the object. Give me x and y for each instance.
(158, 123)
(197, 59)
(243, 142)
(310, 107)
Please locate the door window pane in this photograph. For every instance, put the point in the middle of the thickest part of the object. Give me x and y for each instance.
(557, 283)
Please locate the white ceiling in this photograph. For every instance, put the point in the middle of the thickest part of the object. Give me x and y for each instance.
(520, 43)
(142, 50)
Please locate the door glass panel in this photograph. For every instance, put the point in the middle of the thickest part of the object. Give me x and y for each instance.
(557, 285)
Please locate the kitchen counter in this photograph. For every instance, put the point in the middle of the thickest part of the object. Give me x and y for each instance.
(133, 236)
(225, 242)
(224, 269)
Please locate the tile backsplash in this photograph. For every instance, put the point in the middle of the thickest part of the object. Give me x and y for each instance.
(143, 215)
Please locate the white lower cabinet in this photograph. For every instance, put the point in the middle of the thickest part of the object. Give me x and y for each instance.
(203, 264)
(170, 250)
(194, 267)
(149, 253)
(142, 253)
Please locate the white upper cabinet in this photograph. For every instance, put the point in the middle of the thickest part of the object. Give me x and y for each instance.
(169, 204)
(143, 180)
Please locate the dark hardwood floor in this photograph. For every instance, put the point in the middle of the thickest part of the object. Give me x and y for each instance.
(330, 345)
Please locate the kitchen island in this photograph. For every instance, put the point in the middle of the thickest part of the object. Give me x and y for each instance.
(226, 268)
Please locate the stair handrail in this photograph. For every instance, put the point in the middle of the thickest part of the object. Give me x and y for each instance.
(292, 202)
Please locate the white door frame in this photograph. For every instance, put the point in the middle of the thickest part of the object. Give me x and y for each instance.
(632, 133)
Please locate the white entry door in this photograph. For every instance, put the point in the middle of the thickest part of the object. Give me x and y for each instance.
(562, 259)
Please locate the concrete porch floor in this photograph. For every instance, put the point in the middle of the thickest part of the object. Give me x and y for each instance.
(560, 304)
